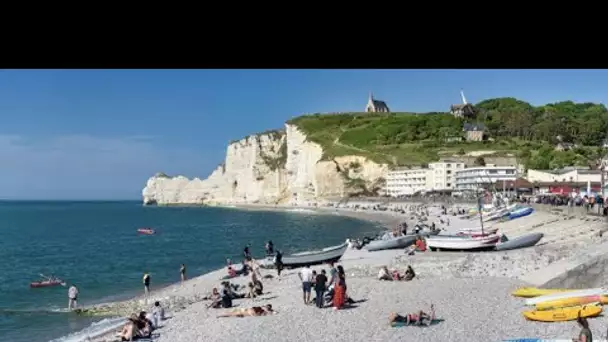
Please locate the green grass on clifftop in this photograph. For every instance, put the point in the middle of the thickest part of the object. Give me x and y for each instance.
(514, 126)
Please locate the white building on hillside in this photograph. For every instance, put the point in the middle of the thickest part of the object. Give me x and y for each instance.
(441, 174)
(478, 177)
(564, 175)
(405, 181)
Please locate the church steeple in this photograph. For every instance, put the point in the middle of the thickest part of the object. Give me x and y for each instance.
(371, 96)
(464, 99)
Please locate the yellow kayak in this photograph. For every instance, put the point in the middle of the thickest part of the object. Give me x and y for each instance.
(563, 314)
(563, 303)
(529, 292)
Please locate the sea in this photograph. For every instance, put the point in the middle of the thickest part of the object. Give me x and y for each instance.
(95, 246)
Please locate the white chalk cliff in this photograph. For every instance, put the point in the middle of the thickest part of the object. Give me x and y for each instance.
(278, 167)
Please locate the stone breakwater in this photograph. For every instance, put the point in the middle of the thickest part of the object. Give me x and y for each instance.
(280, 167)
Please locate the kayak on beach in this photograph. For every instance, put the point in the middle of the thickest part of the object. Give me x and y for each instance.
(530, 292)
(565, 295)
(563, 303)
(563, 314)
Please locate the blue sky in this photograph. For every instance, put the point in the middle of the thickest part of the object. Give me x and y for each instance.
(99, 134)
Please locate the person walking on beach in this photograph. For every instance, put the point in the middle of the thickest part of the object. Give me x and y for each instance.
(306, 278)
(146, 281)
(278, 262)
(72, 297)
(320, 287)
(182, 272)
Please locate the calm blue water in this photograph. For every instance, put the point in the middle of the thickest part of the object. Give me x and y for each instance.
(95, 246)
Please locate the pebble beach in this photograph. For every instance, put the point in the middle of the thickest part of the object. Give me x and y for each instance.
(471, 291)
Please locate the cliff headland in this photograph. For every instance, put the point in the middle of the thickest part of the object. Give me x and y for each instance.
(318, 157)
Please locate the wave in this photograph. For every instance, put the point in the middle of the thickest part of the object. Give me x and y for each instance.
(95, 330)
(300, 210)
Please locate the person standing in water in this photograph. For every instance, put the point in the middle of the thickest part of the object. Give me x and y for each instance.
(269, 248)
(146, 281)
(72, 297)
(182, 272)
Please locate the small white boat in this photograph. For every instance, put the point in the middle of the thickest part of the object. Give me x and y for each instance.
(566, 295)
(462, 242)
(478, 232)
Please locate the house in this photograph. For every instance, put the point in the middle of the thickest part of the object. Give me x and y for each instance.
(464, 110)
(376, 106)
(474, 132)
(564, 146)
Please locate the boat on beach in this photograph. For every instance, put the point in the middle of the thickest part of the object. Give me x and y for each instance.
(394, 243)
(330, 254)
(462, 242)
(525, 211)
(477, 232)
(524, 241)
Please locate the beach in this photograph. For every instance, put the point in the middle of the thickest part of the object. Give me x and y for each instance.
(471, 291)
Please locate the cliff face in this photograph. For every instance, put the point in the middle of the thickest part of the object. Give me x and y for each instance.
(269, 168)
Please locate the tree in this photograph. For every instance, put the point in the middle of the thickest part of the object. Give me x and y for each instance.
(461, 152)
(479, 161)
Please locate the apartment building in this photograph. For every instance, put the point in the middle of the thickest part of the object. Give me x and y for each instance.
(474, 178)
(442, 174)
(405, 181)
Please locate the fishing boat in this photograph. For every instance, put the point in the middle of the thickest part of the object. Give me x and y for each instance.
(462, 242)
(48, 282)
(146, 231)
(331, 254)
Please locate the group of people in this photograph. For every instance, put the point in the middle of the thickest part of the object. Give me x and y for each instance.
(333, 288)
(143, 324)
(385, 274)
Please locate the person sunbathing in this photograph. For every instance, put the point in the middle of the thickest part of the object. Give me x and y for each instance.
(420, 318)
(383, 274)
(253, 311)
(409, 274)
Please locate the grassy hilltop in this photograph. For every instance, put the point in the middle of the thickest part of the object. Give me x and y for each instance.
(513, 126)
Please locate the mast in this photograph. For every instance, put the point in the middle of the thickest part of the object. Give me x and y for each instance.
(480, 209)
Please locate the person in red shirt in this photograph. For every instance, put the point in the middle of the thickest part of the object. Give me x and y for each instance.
(420, 244)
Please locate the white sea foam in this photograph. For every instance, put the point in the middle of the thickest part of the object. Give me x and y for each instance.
(93, 331)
